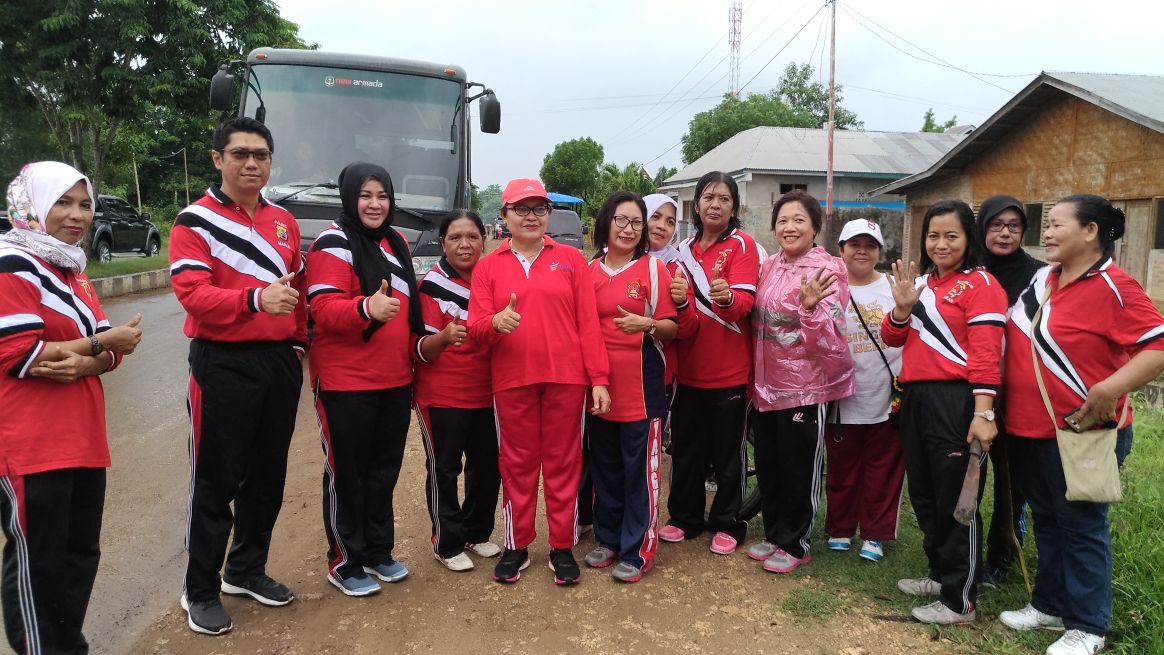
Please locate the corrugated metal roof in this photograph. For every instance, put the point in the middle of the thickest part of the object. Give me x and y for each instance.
(795, 149)
(1138, 98)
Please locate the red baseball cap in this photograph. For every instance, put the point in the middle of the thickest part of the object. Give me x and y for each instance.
(522, 188)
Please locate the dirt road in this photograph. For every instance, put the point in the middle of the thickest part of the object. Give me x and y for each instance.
(692, 602)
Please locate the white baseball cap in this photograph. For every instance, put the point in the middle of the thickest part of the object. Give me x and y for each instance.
(862, 226)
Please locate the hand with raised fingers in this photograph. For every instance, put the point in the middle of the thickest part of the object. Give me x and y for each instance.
(679, 286)
(632, 323)
(454, 334)
(817, 288)
(507, 320)
(382, 306)
(720, 293)
(905, 290)
(122, 339)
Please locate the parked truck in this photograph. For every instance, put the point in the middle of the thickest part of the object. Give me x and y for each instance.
(327, 109)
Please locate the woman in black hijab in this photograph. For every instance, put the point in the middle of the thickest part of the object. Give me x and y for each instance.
(1002, 222)
(361, 291)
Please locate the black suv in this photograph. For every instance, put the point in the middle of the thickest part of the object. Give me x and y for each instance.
(118, 228)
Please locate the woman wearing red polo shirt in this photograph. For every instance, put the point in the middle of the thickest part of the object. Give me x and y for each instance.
(362, 289)
(1098, 337)
(532, 302)
(722, 265)
(949, 323)
(454, 402)
(636, 315)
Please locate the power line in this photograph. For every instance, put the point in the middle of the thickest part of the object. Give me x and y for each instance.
(937, 61)
(569, 110)
(785, 46)
(927, 101)
(775, 31)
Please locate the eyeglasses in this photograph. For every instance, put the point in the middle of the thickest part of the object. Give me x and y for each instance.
(541, 211)
(622, 221)
(998, 227)
(242, 154)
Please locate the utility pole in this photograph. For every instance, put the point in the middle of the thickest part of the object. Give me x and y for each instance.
(735, 20)
(825, 232)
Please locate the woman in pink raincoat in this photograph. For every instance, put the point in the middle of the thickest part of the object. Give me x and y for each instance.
(802, 362)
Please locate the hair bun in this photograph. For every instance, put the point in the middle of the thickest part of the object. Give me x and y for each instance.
(1118, 223)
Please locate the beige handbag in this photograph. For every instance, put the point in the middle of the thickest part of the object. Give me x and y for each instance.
(1089, 459)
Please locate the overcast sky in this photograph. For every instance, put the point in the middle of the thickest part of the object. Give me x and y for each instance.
(632, 73)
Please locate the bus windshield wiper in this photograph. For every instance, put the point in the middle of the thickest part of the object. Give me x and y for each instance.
(307, 186)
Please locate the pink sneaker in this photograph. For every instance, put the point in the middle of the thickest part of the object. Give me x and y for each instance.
(781, 562)
(723, 544)
(671, 534)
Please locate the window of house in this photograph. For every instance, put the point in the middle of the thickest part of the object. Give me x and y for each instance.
(785, 188)
(1159, 222)
(1034, 233)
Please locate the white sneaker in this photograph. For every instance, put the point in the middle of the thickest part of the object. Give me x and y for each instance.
(1029, 618)
(484, 549)
(936, 612)
(458, 562)
(919, 587)
(1076, 642)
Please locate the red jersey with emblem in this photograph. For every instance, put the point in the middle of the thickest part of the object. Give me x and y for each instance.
(718, 353)
(558, 340)
(340, 356)
(637, 366)
(460, 377)
(1087, 330)
(221, 259)
(47, 425)
(954, 331)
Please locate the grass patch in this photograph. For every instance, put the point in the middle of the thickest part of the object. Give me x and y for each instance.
(131, 264)
(835, 582)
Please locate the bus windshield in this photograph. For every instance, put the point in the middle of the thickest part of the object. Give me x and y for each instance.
(323, 119)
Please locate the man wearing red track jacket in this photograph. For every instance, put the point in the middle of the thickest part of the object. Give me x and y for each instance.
(236, 269)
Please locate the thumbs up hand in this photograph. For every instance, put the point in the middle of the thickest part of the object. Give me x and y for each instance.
(632, 323)
(454, 334)
(719, 291)
(382, 306)
(507, 320)
(123, 338)
(679, 287)
(278, 297)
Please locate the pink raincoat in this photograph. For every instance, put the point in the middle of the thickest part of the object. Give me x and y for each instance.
(801, 358)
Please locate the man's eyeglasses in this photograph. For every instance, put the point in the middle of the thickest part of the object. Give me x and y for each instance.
(998, 227)
(622, 221)
(541, 211)
(242, 154)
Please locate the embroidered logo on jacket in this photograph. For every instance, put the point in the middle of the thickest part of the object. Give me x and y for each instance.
(634, 290)
(957, 290)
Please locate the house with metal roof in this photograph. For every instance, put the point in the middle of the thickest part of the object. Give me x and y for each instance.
(767, 162)
(1064, 133)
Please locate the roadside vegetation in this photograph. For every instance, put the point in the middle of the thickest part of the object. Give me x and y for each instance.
(837, 582)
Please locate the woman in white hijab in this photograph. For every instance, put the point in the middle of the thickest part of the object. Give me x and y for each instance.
(54, 342)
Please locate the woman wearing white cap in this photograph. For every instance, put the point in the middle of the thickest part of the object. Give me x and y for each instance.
(866, 470)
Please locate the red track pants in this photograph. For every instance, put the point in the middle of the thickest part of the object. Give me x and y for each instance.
(864, 480)
(540, 430)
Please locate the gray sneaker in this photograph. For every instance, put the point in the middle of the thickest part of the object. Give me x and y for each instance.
(600, 558)
(919, 587)
(762, 551)
(206, 617)
(938, 613)
(627, 572)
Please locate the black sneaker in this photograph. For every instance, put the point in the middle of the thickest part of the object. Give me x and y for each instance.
(564, 567)
(260, 587)
(206, 616)
(512, 563)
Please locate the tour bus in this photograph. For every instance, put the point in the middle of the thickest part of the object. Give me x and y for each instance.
(327, 109)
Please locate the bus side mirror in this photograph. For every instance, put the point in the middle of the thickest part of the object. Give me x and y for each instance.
(490, 113)
(222, 90)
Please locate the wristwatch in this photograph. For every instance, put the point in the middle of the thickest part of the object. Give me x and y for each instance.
(988, 414)
(96, 345)
(654, 324)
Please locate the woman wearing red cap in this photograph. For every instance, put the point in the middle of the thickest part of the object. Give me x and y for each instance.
(532, 301)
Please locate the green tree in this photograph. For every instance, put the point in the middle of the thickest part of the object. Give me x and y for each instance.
(929, 124)
(795, 102)
(572, 167)
(611, 178)
(94, 66)
(664, 173)
(490, 199)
